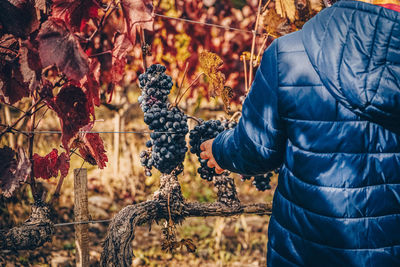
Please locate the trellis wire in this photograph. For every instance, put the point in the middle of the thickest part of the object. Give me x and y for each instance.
(123, 132)
(207, 24)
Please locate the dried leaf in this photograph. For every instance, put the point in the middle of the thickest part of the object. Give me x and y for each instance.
(246, 55)
(275, 25)
(13, 171)
(93, 150)
(75, 13)
(49, 165)
(57, 45)
(209, 64)
(18, 17)
(227, 95)
(91, 147)
(73, 110)
(286, 9)
(137, 13)
(189, 244)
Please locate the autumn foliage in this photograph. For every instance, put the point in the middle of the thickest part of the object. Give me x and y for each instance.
(46, 53)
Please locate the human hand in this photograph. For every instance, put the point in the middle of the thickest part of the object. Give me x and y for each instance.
(206, 148)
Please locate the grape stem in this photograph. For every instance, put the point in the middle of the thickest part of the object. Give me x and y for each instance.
(31, 128)
(251, 65)
(181, 84)
(246, 85)
(195, 119)
(262, 47)
(235, 116)
(143, 45)
(190, 86)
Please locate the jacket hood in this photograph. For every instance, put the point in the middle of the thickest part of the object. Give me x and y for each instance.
(355, 49)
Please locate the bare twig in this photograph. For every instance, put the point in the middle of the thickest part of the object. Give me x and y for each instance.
(190, 86)
(144, 48)
(195, 119)
(265, 6)
(27, 113)
(31, 128)
(41, 117)
(262, 47)
(246, 85)
(9, 129)
(56, 194)
(235, 116)
(181, 84)
(102, 21)
(11, 106)
(254, 43)
(101, 53)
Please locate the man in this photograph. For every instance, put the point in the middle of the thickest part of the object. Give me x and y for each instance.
(325, 107)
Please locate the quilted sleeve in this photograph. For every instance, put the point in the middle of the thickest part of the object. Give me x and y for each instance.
(257, 144)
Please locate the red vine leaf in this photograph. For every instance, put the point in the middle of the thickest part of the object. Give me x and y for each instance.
(73, 110)
(92, 150)
(12, 85)
(63, 164)
(122, 46)
(45, 167)
(18, 17)
(91, 147)
(49, 165)
(57, 45)
(91, 83)
(137, 13)
(75, 13)
(13, 171)
(27, 69)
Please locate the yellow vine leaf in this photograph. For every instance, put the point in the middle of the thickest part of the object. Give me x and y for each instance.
(286, 9)
(227, 94)
(246, 56)
(209, 64)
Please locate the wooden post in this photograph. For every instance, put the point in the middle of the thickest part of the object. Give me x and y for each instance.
(81, 212)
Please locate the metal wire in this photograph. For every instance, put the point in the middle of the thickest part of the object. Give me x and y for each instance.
(207, 24)
(124, 132)
(81, 222)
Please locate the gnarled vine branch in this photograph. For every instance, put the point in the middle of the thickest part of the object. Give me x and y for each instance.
(117, 247)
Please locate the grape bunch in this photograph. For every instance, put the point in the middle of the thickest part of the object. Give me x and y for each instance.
(261, 182)
(204, 131)
(167, 147)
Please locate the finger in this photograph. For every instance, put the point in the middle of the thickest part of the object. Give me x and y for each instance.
(204, 155)
(219, 170)
(210, 163)
(203, 146)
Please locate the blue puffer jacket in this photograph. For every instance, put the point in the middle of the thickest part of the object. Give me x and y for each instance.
(325, 106)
